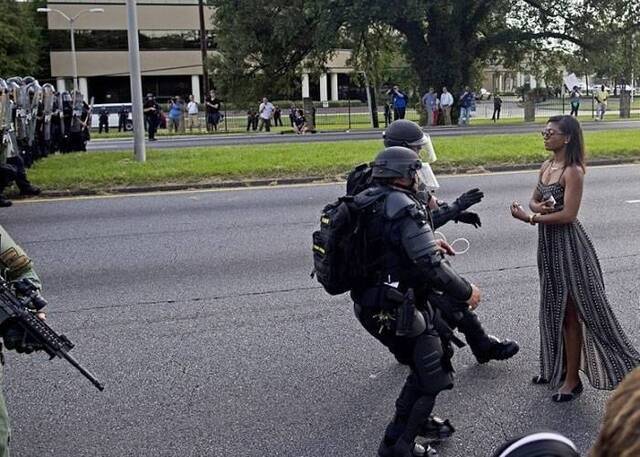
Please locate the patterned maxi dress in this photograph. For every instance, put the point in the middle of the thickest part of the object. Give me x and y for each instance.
(568, 266)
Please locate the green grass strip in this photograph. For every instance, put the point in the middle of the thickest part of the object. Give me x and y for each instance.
(102, 170)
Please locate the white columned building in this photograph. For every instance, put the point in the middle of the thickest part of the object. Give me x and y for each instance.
(334, 87)
(305, 85)
(84, 88)
(324, 96)
(195, 89)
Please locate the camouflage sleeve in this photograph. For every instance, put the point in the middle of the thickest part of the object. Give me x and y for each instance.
(14, 262)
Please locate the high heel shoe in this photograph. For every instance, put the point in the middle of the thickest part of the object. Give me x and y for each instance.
(575, 393)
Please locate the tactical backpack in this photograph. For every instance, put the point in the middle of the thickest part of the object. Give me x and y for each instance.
(359, 179)
(336, 247)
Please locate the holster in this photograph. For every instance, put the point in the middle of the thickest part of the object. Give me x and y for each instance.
(409, 321)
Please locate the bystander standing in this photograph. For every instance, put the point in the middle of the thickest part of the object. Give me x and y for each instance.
(192, 114)
(497, 107)
(265, 112)
(399, 101)
(601, 96)
(446, 102)
(430, 104)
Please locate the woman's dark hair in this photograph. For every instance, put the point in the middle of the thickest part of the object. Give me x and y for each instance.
(575, 154)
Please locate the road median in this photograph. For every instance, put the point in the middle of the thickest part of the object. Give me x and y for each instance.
(260, 165)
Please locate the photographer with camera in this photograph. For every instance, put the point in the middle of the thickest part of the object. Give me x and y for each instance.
(399, 100)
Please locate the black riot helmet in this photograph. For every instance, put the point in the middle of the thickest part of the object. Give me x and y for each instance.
(396, 162)
(404, 133)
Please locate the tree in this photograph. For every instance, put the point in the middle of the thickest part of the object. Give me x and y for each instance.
(262, 45)
(20, 39)
(615, 54)
(445, 42)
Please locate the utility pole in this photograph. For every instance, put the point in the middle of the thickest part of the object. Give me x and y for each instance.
(203, 50)
(136, 82)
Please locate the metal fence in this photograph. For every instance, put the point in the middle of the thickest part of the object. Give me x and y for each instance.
(352, 115)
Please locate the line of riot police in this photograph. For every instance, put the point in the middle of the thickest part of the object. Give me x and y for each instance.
(36, 121)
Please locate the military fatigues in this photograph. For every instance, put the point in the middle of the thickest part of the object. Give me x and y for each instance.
(14, 264)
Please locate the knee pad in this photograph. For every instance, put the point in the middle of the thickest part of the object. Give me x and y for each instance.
(433, 372)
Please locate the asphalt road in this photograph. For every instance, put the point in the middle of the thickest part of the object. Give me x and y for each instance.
(197, 311)
(123, 144)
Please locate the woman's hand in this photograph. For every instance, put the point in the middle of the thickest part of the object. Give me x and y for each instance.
(518, 212)
(543, 207)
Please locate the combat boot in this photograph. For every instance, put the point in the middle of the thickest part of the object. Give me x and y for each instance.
(30, 190)
(498, 350)
(403, 449)
(5, 202)
(436, 429)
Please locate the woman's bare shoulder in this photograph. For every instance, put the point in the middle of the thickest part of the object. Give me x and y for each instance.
(573, 173)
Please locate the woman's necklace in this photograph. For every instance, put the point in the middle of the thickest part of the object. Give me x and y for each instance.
(555, 168)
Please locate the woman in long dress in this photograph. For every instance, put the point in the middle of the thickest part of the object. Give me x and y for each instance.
(578, 329)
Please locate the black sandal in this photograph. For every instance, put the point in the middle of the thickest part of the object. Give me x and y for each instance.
(575, 393)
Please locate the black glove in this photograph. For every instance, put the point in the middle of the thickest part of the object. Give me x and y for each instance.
(467, 217)
(17, 339)
(469, 198)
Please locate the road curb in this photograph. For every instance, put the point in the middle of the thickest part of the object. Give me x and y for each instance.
(290, 181)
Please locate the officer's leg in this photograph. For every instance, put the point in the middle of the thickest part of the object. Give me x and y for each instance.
(21, 177)
(485, 347)
(7, 176)
(431, 373)
(5, 430)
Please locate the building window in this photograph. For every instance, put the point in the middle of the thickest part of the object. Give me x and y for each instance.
(169, 39)
(116, 40)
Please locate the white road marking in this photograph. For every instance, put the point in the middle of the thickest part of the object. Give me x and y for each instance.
(633, 201)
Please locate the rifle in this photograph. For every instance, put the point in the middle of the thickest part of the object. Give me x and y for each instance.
(21, 312)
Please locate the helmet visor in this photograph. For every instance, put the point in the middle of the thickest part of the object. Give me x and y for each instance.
(425, 178)
(425, 143)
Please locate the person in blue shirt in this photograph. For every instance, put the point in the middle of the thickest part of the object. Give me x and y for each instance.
(466, 102)
(176, 108)
(399, 101)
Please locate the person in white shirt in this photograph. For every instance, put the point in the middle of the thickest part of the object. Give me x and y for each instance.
(446, 102)
(265, 112)
(192, 114)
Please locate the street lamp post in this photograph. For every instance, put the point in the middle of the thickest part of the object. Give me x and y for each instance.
(72, 21)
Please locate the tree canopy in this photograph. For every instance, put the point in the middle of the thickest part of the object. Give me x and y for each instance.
(444, 42)
(23, 47)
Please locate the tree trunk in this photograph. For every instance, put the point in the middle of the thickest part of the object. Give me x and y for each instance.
(442, 59)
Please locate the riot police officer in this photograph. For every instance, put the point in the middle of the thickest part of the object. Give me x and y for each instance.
(484, 347)
(404, 263)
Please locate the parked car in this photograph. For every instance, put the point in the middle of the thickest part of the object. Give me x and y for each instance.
(112, 109)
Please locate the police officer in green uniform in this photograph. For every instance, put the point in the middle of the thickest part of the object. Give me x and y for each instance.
(14, 266)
